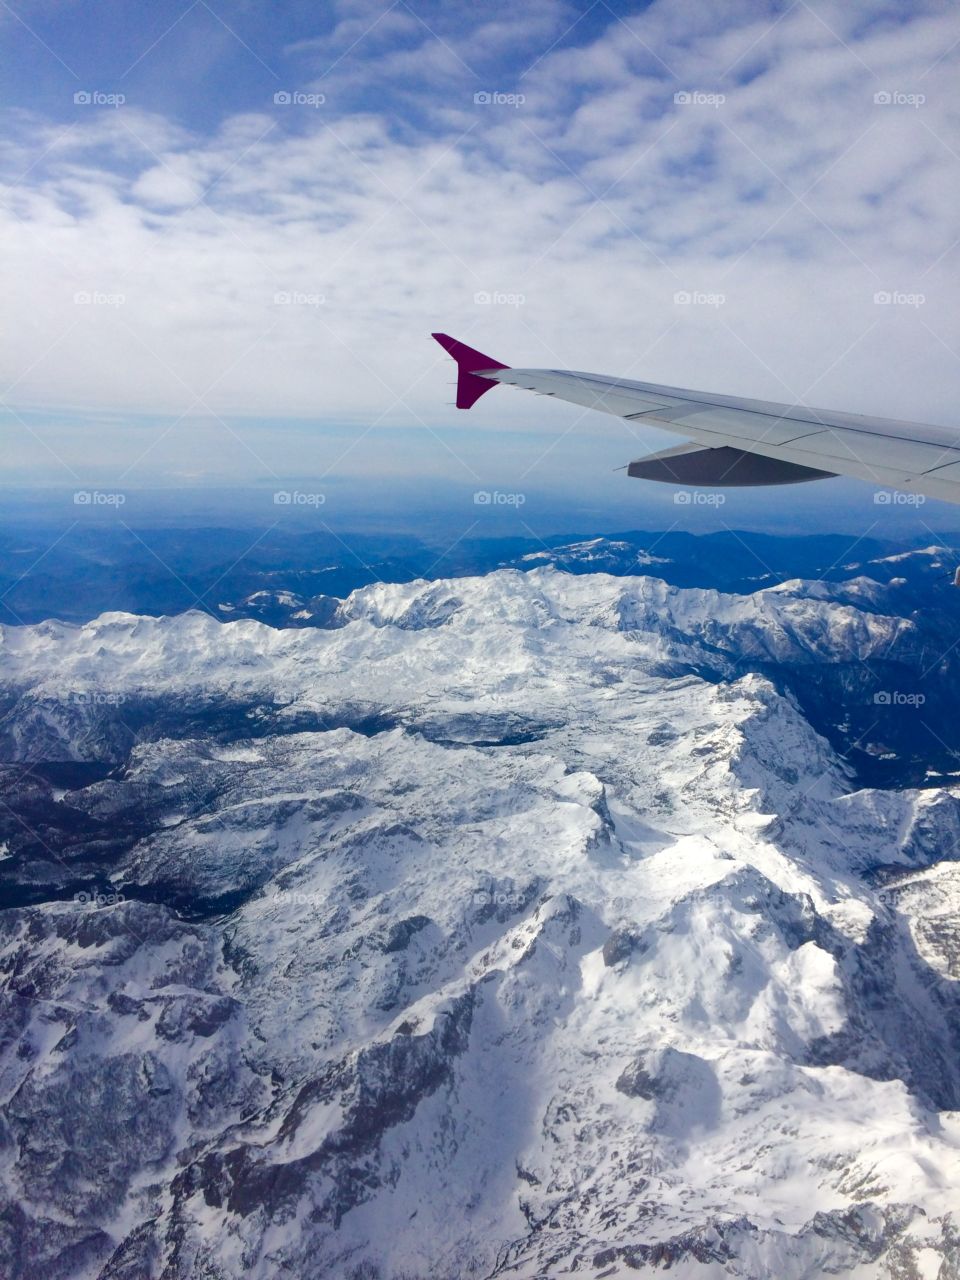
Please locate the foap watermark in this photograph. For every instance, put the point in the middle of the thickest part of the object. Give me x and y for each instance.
(697, 98)
(97, 698)
(296, 898)
(898, 298)
(498, 299)
(94, 298)
(498, 898)
(894, 698)
(697, 498)
(298, 98)
(494, 498)
(95, 899)
(95, 498)
(494, 98)
(296, 298)
(295, 498)
(695, 298)
(894, 498)
(97, 98)
(897, 98)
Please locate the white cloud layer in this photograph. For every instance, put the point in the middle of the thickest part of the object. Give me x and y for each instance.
(240, 294)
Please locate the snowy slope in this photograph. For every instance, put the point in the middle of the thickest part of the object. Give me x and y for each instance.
(504, 928)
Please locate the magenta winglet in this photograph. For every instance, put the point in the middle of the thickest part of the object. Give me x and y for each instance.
(469, 387)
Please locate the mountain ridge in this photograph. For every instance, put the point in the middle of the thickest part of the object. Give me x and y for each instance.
(559, 939)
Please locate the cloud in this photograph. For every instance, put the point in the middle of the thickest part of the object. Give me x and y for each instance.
(288, 265)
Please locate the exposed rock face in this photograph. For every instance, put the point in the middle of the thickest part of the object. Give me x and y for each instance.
(504, 928)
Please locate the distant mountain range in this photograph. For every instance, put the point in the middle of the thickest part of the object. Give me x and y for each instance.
(77, 573)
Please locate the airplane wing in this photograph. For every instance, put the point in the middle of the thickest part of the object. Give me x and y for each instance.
(734, 441)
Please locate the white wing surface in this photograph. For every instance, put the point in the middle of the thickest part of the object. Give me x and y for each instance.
(738, 441)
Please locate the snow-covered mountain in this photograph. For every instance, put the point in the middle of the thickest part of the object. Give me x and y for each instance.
(520, 925)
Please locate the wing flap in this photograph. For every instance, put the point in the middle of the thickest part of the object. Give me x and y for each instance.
(891, 452)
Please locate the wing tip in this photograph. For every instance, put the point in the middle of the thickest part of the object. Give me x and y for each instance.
(470, 386)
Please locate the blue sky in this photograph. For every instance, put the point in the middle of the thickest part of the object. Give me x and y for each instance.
(197, 63)
(217, 285)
